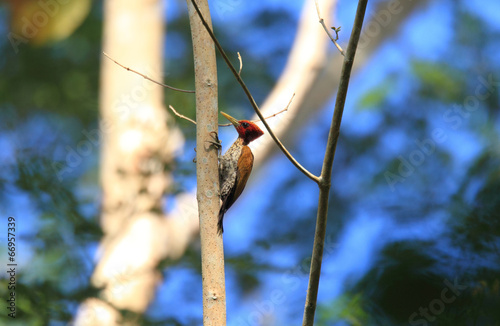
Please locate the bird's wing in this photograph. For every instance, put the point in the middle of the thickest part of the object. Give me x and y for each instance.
(244, 167)
(245, 164)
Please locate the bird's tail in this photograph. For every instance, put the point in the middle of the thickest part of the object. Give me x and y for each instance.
(220, 227)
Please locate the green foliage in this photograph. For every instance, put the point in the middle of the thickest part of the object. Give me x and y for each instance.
(438, 81)
(374, 98)
(347, 308)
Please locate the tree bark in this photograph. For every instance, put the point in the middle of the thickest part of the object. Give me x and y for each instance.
(207, 172)
(136, 144)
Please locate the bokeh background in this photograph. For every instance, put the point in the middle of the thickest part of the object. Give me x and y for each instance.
(413, 232)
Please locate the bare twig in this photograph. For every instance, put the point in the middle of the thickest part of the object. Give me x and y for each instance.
(326, 171)
(337, 30)
(284, 110)
(180, 115)
(273, 115)
(230, 124)
(266, 118)
(252, 100)
(241, 64)
(146, 77)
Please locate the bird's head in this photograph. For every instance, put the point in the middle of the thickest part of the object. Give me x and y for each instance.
(247, 130)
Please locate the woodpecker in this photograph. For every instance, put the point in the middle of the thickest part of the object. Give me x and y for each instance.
(236, 164)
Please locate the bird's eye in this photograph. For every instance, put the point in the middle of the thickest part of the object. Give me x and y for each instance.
(245, 124)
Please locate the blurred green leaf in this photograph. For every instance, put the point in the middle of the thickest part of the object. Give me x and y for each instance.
(438, 80)
(347, 308)
(374, 98)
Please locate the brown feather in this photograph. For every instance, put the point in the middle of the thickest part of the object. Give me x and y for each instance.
(244, 168)
(245, 164)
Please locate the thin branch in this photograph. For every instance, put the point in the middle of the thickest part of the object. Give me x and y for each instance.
(251, 99)
(146, 77)
(337, 30)
(241, 64)
(326, 171)
(180, 115)
(272, 115)
(284, 110)
(230, 124)
(266, 118)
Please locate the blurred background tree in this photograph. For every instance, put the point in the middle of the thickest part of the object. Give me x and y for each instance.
(415, 200)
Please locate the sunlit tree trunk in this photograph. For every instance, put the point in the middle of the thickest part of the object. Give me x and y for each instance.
(136, 146)
(207, 172)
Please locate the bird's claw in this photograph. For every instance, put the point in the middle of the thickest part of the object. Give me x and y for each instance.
(216, 142)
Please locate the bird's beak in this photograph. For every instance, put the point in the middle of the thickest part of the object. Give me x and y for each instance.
(231, 119)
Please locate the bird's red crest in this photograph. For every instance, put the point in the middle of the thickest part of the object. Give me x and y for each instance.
(248, 131)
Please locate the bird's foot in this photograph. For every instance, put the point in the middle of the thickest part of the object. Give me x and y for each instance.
(216, 143)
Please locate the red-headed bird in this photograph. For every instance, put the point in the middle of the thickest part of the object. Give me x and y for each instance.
(235, 166)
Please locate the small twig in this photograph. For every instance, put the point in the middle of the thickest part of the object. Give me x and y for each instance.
(180, 115)
(230, 124)
(251, 99)
(272, 115)
(337, 30)
(266, 118)
(146, 77)
(284, 110)
(241, 64)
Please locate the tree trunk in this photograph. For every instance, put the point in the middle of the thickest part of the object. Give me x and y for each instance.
(136, 145)
(207, 172)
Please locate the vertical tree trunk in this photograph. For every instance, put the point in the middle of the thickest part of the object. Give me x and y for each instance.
(136, 146)
(212, 253)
